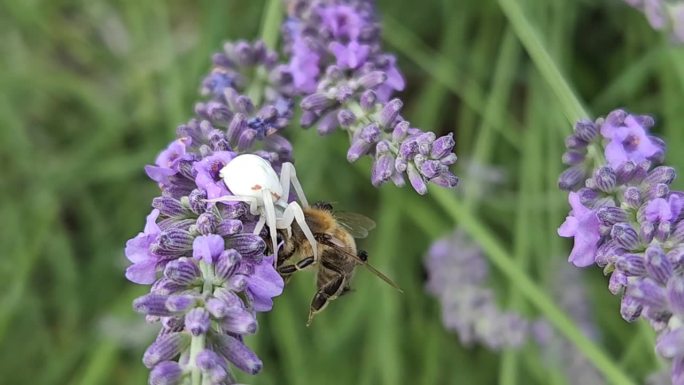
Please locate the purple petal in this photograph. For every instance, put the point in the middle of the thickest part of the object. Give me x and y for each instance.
(207, 247)
(265, 284)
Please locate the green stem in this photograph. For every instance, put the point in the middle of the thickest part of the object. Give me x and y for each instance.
(270, 27)
(530, 38)
(534, 294)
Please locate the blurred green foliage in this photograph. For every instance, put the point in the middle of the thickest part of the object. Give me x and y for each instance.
(92, 90)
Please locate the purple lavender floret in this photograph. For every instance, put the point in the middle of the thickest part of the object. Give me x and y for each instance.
(663, 15)
(627, 219)
(346, 81)
(457, 275)
(208, 273)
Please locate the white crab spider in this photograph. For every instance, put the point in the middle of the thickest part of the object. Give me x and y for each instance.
(251, 179)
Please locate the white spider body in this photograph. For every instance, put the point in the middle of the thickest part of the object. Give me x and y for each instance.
(248, 174)
(251, 179)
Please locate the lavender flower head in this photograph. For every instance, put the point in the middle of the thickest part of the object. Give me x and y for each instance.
(347, 81)
(457, 275)
(626, 219)
(663, 15)
(208, 273)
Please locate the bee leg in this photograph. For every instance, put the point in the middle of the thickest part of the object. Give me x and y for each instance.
(324, 295)
(300, 265)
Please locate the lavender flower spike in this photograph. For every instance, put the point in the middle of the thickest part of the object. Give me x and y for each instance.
(209, 276)
(346, 81)
(458, 280)
(627, 220)
(663, 15)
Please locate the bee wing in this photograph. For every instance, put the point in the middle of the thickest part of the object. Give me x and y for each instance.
(338, 246)
(356, 224)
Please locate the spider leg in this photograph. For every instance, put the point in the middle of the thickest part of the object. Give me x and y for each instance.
(296, 210)
(288, 175)
(271, 220)
(253, 202)
(260, 224)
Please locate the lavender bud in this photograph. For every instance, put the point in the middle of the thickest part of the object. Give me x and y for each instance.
(236, 352)
(442, 146)
(626, 236)
(308, 118)
(367, 100)
(390, 112)
(663, 231)
(239, 321)
(166, 373)
(227, 263)
(206, 223)
(632, 196)
(197, 201)
(197, 321)
(647, 231)
(249, 246)
(424, 142)
(573, 157)
(659, 190)
(165, 286)
(371, 80)
(630, 309)
(382, 169)
(617, 282)
(605, 179)
(217, 308)
(180, 302)
(431, 168)
(213, 366)
(400, 131)
(657, 264)
(449, 159)
(675, 294)
(400, 164)
(446, 179)
(648, 293)
(165, 348)
(571, 178)
(229, 227)
(152, 304)
(343, 93)
(631, 264)
(169, 206)
(183, 271)
(588, 197)
(586, 130)
(575, 143)
(174, 241)
(670, 344)
(345, 118)
(236, 127)
(661, 174)
(416, 180)
(626, 172)
(246, 140)
(327, 124)
(611, 215)
(237, 282)
(316, 102)
(362, 143)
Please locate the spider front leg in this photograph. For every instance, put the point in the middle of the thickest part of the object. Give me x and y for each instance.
(294, 212)
(288, 175)
(253, 202)
(269, 210)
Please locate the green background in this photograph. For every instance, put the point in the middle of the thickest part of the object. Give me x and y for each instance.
(91, 91)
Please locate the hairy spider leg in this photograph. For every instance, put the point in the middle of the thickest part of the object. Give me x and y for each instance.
(288, 175)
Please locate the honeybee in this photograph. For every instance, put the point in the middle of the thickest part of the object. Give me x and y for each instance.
(337, 254)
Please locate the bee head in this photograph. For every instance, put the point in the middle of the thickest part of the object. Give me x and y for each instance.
(323, 206)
